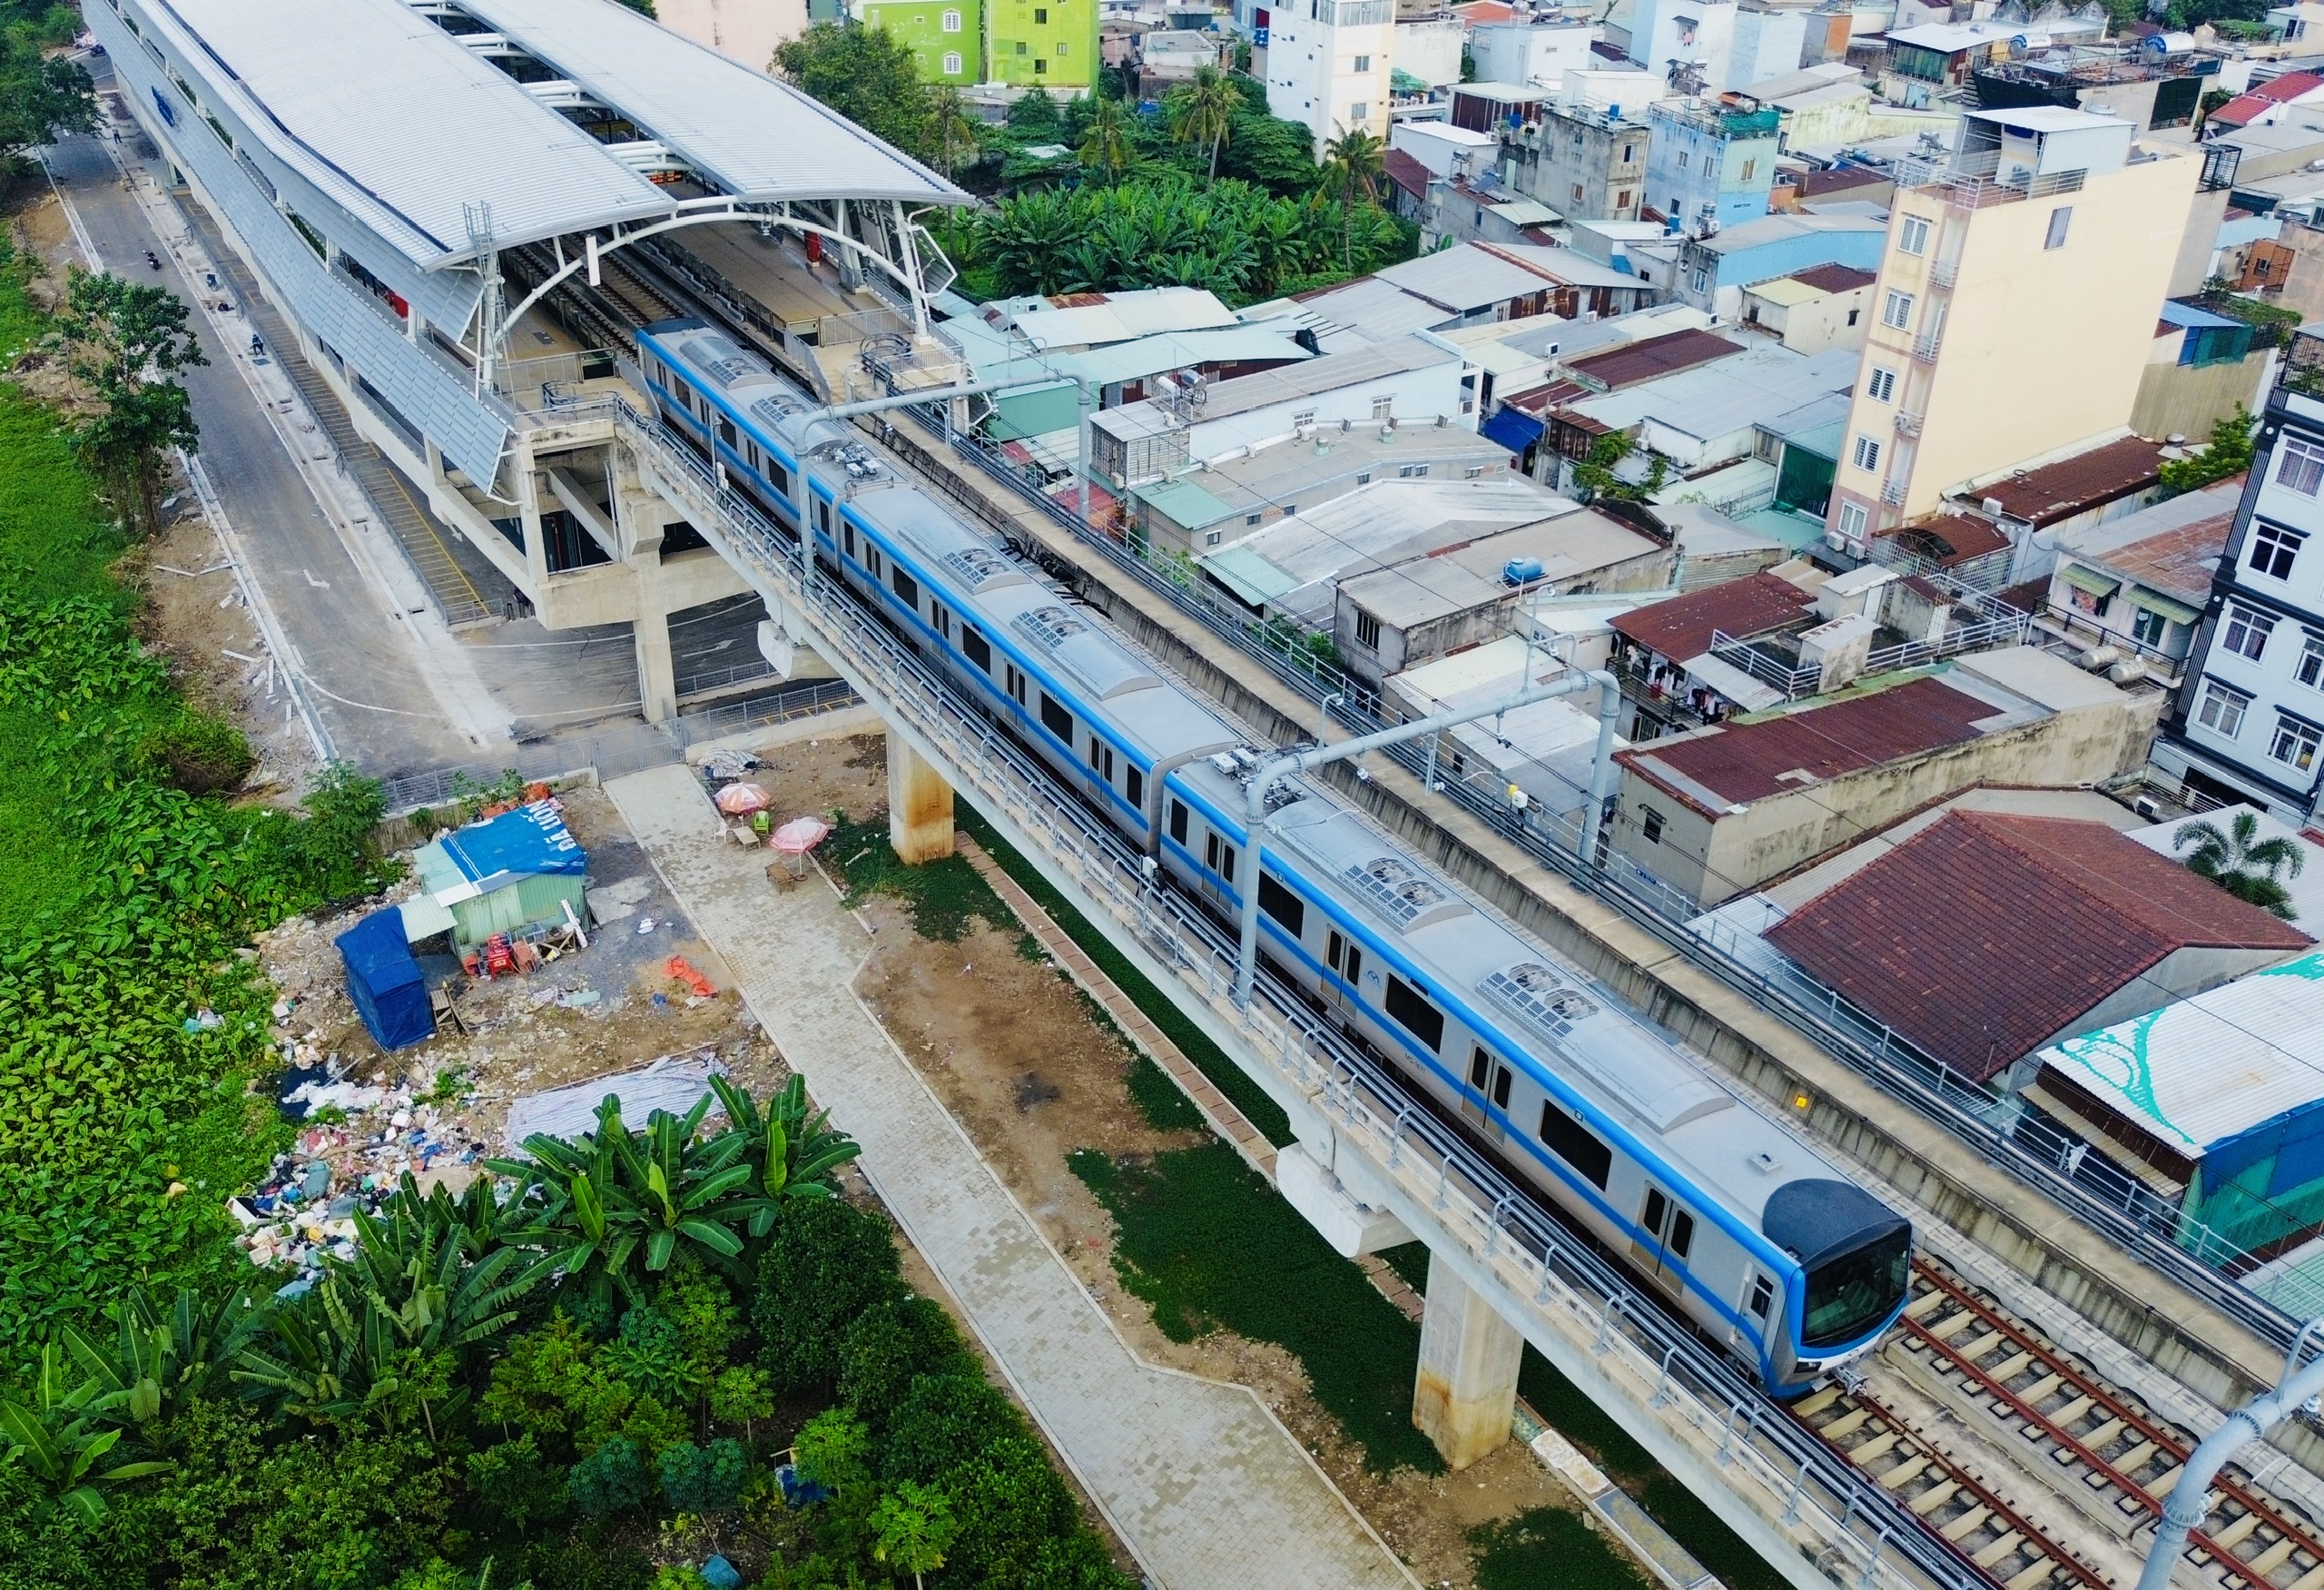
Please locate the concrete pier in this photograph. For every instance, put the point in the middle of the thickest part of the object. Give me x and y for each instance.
(1469, 1358)
(920, 806)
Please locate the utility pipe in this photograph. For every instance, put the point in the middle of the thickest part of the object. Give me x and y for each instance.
(1282, 766)
(2184, 1509)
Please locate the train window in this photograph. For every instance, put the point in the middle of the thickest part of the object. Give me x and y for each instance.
(1101, 759)
(1056, 718)
(1178, 833)
(1656, 1212)
(1682, 1234)
(1480, 1066)
(1500, 1089)
(823, 519)
(1422, 1019)
(1219, 856)
(1134, 787)
(778, 476)
(726, 432)
(751, 456)
(1285, 906)
(1571, 1141)
(872, 561)
(973, 643)
(1016, 684)
(1763, 1293)
(943, 618)
(846, 535)
(906, 588)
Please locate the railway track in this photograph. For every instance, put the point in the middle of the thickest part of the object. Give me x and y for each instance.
(602, 315)
(1966, 1401)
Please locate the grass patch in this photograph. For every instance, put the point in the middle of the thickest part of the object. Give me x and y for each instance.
(1205, 1243)
(1410, 1261)
(943, 896)
(1549, 1549)
(1160, 1100)
(1228, 1078)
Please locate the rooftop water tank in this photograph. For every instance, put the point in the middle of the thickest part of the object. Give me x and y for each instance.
(1521, 570)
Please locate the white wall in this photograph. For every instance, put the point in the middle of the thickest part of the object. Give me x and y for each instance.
(1521, 52)
(1438, 144)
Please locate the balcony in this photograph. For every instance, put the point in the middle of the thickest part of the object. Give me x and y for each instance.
(1972, 182)
(1892, 492)
(1945, 273)
(1908, 424)
(1924, 348)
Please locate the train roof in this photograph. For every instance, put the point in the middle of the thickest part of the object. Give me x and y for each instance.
(1560, 1017)
(749, 385)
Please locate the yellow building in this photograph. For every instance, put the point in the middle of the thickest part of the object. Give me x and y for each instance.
(2015, 308)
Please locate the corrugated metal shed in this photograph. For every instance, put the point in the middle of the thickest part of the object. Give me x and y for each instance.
(401, 125)
(2201, 1073)
(755, 137)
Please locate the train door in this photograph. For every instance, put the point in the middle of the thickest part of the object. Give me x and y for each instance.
(1665, 1236)
(1488, 1079)
(1344, 989)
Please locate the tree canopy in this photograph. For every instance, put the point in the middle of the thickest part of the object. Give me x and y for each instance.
(41, 100)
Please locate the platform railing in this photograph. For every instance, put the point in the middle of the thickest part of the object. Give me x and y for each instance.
(1568, 1300)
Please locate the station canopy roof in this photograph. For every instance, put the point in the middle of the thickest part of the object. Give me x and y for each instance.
(402, 125)
(758, 139)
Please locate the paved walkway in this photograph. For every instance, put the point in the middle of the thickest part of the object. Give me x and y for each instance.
(1197, 1478)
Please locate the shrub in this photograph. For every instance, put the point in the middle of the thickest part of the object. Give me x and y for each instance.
(827, 1262)
(890, 1346)
(199, 754)
(612, 1479)
(704, 1479)
(946, 1422)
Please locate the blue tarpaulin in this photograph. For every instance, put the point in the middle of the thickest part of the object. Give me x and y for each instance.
(530, 840)
(384, 981)
(1512, 429)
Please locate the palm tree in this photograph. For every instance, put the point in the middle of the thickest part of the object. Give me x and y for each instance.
(1202, 112)
(951, 131)
(2240, 862)
(1353, 163)
(1107, 146)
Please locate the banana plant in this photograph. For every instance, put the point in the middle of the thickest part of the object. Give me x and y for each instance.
(159, 1362)
(54, 1439)
(791, 1153)
(340, 1357)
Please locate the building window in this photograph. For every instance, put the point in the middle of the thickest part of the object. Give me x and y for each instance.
(952, 64)
(2294, 743)
(1913, 236)
(1751, 169)
(1897, 311)
(1302, 420)
(1361, 111)
(1040, 67)
(1367, 631)
(2309, 670)
(1022, 47)
(1363, 63)
(1853, 314)
(1851, 520)
(2148, 628)
(1702, 280)
(1629, 153)
(1060, 49)
(1649, 823)
(1210, 538)
(952, 22)
(1883, 386)
(1682, 159)
(1251, 518)
(1365, 478)
(2221, 711)
(1577, 193)
(1621, 200)
(2273, 548)
(2246, 633)
(1411, 471)
(1040, 16)
(2060, 220)
(1867, 453)
(2300, 465)
(1382, 407)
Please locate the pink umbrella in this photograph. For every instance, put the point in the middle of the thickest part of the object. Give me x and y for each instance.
(799, 836)
(740, 800)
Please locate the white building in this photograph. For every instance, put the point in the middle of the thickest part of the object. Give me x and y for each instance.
(1529, 51)
(1327, 66)
(2248, 726)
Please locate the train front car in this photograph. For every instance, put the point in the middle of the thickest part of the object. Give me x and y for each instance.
(1856, 1263)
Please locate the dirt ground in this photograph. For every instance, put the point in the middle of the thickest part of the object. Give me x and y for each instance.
(1009, 1045)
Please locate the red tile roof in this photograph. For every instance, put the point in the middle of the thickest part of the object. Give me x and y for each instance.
(1682, 626)
(1740, 762)
(2288, 87)
(1406, 171)
(2238, 111)
(1950, 539)
(1643, 360)
(1986, 934)
(2070, 486)
(1835, 278)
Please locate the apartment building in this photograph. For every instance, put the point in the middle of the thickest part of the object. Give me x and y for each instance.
(1327, 66)
(2014, 310)
(945, 37)
(1709, 166)
(1051, 44)
(1586, 161)
(2248, 725)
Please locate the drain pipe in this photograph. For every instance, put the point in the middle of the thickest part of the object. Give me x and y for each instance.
(1282, 766)
(2184, 1510)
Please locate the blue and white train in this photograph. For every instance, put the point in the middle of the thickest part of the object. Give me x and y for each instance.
(1758, 1240)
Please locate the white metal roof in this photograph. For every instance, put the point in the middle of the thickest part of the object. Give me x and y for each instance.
(399, 124)
(2196, 1073)
(755, 137)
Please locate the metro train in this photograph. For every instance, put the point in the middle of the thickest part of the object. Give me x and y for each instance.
(1755, 1238)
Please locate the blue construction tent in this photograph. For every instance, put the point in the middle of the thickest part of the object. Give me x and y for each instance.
(384, 981)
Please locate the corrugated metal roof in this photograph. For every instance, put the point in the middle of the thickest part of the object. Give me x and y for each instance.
(1465, 278)
(755, 137)
(1187, 503)
(401, 125)
(1087, 319)
(2207, 1069)
(1722, 397)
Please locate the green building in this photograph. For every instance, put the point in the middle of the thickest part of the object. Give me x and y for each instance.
(1024, 44)
(946, 36)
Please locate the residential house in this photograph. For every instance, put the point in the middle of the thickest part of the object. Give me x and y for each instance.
(2266, 104)
(946, 37)
(2043, 245)
(1546, 750)
(2137, 584)
(748, 31)
(1540, 51)
(1585, 161)
(1496, 107)
(1393, 619)
(1829, 102)
(2037, 505)
(1327, 66)
(1924, 62)
(2249, 723)
(1713, 271)
(1812, 311)
(1986, 936)
(2201, 366)
(1708, 165)
(1658, 645)
(1166, 58)
(1425, 52)
(1051, 46)
(1716, 812)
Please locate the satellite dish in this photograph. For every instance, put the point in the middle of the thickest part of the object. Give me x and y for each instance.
(2017, 46)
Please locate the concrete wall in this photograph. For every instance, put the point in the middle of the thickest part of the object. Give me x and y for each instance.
(749, 30)
(1430, 50)
(1715, 859)
(2182, 400)
(1982, 1205)
(2018, 315)
(1836, 319)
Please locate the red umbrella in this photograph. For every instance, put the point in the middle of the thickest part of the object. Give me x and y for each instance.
(740, 800)
(799, 836)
